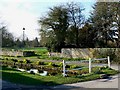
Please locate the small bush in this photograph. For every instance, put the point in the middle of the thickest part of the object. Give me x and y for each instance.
(18, 56)
(14, 66)
(50, 64)
(14, 60)
(26, 61)
(60, 64)
(67, 66)
(55, 65)
(20, 61)
(40, 63)
(73, 66)
(7, 58)
(42, 57)
(55, 58)
(32, 72)
(1, 58)
(29, 53)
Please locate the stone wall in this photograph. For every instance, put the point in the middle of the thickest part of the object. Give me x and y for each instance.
(74, 53)
(80, 52)
(11, 53)
(77, 52)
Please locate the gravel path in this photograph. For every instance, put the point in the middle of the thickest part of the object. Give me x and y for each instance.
(111, 82)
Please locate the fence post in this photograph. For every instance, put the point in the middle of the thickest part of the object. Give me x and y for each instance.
(108, 61)
(89, 65)
(64, 68)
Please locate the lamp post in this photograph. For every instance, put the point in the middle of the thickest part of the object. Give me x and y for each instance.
(23, 36)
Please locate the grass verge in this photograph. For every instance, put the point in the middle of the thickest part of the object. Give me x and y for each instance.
(24, 78)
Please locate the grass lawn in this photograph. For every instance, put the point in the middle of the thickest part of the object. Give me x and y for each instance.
(15, 76)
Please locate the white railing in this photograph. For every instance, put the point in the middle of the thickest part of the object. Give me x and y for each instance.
(89, 61)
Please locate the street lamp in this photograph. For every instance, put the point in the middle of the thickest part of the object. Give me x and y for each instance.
(23, 36)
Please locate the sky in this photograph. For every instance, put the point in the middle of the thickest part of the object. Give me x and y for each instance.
(16, 14)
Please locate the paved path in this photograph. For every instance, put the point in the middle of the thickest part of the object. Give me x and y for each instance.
(111, 82)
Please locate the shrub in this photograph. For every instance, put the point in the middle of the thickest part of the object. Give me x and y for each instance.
(42, 57)
(60, 64)
(29, 53)
(50, 64)
(20, 61)
(26, 61)
(72, 73)
(26, 67)
(31, 72)
(67, 66)
(14, 66)
(18, 56)
(73, 66)
(55, 58)
(1, 58)
(53, 72)
(104, 67)
(104, 52)
(55, 65)
(7, 58)
(40, 63)
(14, 60)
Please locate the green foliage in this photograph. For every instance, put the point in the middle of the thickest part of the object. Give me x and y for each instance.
(104, 52)
(102, 18)
(14, 60)
(20, 61)
(54, 76)
(30, 79)
(42, 57)
(51, 64)
(40, 63)
(26, 61)
(28, 53)
(7, 37)
(66, 59)
(67, 66)
(60, 24)
(73, 66)
(60, 64)
(56, 58)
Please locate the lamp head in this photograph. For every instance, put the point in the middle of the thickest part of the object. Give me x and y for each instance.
(23, 28)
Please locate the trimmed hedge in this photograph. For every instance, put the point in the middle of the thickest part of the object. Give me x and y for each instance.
(29, 53)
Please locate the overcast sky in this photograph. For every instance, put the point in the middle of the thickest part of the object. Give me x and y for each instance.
(17, 14)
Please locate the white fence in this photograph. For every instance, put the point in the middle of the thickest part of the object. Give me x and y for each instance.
(90, 64)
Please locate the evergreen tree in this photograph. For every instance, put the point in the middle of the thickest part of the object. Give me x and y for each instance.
(104, 17)
(36, 42)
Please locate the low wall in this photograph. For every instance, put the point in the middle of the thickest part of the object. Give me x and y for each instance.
(74, 53)
(80, 52)
(77, 52)
(12, 53)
